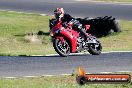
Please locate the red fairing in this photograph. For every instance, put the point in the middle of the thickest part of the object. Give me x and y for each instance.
(56, 27)
(72, 36)
(61, 38)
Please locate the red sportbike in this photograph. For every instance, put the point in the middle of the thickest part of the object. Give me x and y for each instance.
(67, 40)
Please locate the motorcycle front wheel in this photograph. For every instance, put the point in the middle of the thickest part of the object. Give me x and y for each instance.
(95, 48)
(61, 47)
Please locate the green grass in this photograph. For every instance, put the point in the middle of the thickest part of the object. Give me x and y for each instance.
(15, 26)
(116, 0)
(54, 82)
(120, 41)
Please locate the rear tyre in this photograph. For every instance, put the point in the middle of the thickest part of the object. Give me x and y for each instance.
(95, 48)
(61, 47)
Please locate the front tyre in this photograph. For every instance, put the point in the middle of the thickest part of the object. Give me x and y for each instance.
(95, 48)
(62, 47)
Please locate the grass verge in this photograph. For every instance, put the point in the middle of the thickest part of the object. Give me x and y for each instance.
(54, 82)
(17, 28)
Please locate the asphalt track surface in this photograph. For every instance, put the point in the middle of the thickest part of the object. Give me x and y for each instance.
(76, 9)
(56, 65)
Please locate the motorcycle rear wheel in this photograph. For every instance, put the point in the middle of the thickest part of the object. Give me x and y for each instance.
(62, 48)
(95, 48)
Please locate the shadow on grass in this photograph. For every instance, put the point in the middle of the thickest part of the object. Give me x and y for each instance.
(43, 33)
(21, 35)
(39, 33)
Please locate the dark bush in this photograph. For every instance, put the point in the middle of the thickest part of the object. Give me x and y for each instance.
(101, 26)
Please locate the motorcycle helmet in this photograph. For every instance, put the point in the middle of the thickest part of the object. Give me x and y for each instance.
(59, 13)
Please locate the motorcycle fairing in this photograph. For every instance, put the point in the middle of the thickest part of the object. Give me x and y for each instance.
(72, 36)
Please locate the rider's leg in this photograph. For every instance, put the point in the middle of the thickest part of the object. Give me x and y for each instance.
(83, 32)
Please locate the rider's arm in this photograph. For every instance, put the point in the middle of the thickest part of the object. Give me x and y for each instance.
(75, 23)
(67, 18)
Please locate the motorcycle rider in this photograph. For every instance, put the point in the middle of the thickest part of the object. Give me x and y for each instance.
(66, 19)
